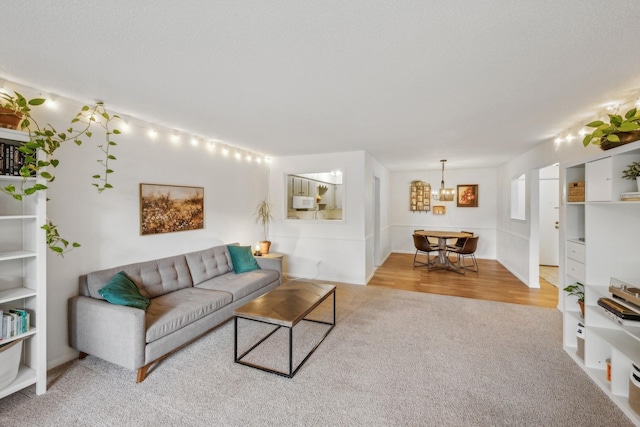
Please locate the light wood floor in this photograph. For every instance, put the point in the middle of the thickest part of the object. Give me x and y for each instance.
(493, 282)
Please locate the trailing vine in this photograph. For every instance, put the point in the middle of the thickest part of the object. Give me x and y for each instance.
(46, 139)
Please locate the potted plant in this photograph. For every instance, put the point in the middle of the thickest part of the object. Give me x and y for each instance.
(46, 140)
(264, 217)
(577, 289)
(620, 130)
(632, 172)
(14, 108)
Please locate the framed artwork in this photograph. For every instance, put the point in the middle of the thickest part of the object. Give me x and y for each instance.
(169, 208)
(468, 196)
(439, 210)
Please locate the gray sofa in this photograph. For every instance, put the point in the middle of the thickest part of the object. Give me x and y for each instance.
(190, 295)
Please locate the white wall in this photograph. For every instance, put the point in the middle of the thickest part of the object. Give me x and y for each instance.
(480, 220)
(517, 240)
(108, 225)
(373, 170)
(328, 250)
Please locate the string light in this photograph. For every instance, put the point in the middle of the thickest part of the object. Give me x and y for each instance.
(126, 124)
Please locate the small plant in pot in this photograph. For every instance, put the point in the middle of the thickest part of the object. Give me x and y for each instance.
(632, 172)
(13, 109)
(264, 217)
(577, 289)
(619, 131)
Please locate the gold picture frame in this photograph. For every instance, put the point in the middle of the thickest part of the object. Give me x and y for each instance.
(170, 208)
(467, 196)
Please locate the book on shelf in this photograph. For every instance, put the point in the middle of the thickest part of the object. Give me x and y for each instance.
(630, 196)
(11, 159)
(14, 322)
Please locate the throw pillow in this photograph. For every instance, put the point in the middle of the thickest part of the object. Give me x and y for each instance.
(242, 259)
(122, 291)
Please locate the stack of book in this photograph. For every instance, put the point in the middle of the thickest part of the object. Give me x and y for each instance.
(14, 322)
(630, 196)
(11, 159)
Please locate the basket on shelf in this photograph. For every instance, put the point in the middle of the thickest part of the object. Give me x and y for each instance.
(10, 356)
(575, 192)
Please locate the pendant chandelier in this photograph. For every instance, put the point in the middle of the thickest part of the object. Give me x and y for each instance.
(444, 194)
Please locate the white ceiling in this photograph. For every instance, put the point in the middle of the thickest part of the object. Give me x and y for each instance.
(411, 82)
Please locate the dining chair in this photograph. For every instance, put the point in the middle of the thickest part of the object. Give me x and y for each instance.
(468, 250)
(460, 241)
(423, 246)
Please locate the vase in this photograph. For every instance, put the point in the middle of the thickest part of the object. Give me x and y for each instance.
(581, 304)
(625, 138)
(9, 119)
(638, 182)
(265, 245)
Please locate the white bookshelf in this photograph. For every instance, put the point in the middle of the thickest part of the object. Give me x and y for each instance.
(600, 239)
(23, 274)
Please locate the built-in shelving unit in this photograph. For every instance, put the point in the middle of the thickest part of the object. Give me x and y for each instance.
(23, 273)
(600, 239)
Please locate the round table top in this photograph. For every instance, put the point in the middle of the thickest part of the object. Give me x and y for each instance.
(443, 234)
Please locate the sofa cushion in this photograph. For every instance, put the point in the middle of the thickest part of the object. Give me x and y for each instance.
(122, 291)
(242, 259)
(153, 278)
(208, 263)
(170, 312)
(241, 285)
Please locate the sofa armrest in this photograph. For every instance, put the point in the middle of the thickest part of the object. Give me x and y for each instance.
(111, 332)
(271, 264)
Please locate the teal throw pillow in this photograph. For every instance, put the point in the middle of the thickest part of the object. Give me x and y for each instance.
(242, 259)
(122, 291)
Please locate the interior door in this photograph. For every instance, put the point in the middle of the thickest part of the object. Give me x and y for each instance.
(549, 222)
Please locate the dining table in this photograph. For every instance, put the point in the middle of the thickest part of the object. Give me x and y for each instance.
(442, 261)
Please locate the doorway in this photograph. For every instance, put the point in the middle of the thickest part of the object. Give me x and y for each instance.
(549, 217)
(377, 256)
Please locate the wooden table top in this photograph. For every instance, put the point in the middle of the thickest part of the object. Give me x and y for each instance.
(443, 234)
(287, 304)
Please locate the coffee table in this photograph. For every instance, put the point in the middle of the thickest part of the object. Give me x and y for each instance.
(284, 307)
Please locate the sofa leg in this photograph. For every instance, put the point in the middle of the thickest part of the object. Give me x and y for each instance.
(142, 373)
(82, 355)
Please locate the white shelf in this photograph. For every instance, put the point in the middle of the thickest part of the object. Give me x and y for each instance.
(6, 256)
(15, 294)
(26, 377)
(620, 339)
(24, 270)
(609, 225)
(13, 217)
(31, 332)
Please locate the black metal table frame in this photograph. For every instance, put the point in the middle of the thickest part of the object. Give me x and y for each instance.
(264, 368)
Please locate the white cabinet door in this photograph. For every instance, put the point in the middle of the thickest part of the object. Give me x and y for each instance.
(598, 176)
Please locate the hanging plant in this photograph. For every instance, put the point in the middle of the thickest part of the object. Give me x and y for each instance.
(47, 140)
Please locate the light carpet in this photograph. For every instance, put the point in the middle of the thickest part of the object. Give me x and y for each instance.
(395, 358)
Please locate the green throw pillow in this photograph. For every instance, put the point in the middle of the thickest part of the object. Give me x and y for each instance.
(122, 291)
(242, 259)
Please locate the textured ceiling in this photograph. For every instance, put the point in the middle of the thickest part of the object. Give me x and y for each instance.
(411, 82)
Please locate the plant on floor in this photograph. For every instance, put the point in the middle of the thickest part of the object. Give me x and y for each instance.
(577, 289)
(46, 140)
(610, 133)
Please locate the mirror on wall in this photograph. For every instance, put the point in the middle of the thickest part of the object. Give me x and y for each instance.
(315, 196)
